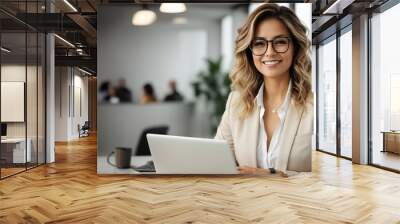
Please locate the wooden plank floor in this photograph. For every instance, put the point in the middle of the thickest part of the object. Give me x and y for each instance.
(70, 191)
(10, 171)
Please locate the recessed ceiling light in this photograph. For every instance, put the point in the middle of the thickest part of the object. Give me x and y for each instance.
(173, 7)
(143, 17)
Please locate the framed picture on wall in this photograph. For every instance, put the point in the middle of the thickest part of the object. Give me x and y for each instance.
(12, 101)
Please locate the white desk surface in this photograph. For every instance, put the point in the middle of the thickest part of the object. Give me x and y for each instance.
(19, 152)
(104, 168)
(13, 140)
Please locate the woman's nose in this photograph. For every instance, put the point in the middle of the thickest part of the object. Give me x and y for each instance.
(270, 50)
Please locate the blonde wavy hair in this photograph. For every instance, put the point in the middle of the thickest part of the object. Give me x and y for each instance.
(246, 79)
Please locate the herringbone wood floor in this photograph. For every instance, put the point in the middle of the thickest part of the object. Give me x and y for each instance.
(70, 191)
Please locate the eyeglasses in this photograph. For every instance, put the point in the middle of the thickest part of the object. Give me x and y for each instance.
(260, 45)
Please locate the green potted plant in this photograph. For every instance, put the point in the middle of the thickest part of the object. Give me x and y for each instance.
(214, 84)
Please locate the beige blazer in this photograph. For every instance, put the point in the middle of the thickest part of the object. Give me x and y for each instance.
(294, 153)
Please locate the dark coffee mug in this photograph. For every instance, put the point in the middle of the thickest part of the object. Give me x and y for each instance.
(122, 157)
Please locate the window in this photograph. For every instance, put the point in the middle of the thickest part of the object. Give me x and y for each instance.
(385, 88)
(326, 135)
(346, 93)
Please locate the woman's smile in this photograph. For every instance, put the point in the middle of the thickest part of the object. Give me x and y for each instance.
(271, 63)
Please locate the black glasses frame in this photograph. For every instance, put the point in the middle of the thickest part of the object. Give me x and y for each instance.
(272, 43)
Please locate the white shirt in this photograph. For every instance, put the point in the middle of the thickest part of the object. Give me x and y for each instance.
(268, 160)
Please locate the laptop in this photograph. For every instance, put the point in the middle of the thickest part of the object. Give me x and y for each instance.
(187, 155)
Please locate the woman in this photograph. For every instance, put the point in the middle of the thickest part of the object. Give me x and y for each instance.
(149, 95)
(268, 118)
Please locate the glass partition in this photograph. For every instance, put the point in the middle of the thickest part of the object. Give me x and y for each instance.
(22, 90)
(327, 96)
(41, 88)
(13, 105)
(31, 99)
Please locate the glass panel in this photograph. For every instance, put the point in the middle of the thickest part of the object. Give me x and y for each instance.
(32, 88)
(31, 100)
(41, 98)
(13, 87)
(346, 94)
(23, 89)
(327, 96)
(385, 84)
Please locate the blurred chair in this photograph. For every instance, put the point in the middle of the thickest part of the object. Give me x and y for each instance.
(84, 130)
(142, 149)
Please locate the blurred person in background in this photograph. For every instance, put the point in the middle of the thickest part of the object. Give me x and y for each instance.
(174, 95)
(103, 90)
(149, 95)
(123, 93)
(111, 95)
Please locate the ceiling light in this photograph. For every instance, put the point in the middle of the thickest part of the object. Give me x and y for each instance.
(5, 50)
(173, 7)
(179, 20)
(70, 5)
(84, 71)
(143, 17)
(64, 40)
(337, 7)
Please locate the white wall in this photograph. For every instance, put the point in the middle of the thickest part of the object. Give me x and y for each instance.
(17, 73)
(229, 28)
(61, 103)
(69, 82)
(156, 53)
(227, 42)
(81, 104)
